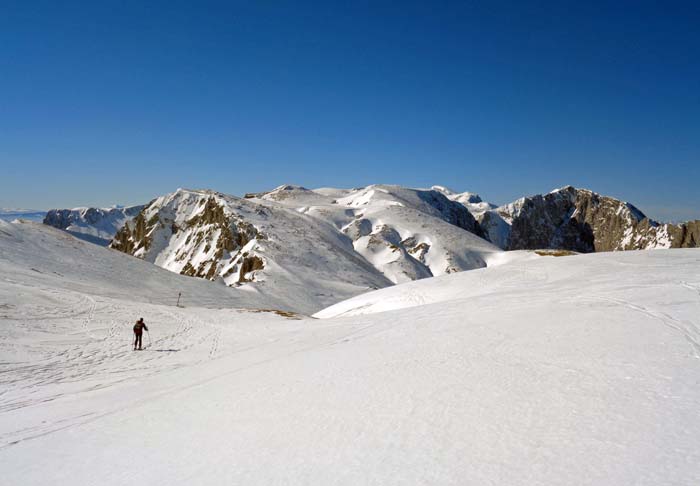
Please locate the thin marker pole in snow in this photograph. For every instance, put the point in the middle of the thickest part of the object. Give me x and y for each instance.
(178, 299)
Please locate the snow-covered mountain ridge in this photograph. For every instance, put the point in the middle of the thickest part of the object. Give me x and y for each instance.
(10, 214)
(97, 225)
(382, 234)
(365, 238)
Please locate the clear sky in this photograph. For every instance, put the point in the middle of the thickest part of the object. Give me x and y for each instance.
(117, 102)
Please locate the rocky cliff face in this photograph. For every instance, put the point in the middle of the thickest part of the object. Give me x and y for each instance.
(97, 225)
(684, 235)
(583, 221)
(195, 234)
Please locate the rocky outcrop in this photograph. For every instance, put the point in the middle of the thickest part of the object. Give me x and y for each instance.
(194, 234)
(686, 235)
(583, 221)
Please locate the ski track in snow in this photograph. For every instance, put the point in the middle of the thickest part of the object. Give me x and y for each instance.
(688, 329)
(104, 357)
(577, 370)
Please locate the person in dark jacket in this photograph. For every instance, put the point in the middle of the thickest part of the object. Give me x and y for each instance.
(138, 332)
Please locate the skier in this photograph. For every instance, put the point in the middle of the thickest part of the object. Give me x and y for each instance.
(138, 332)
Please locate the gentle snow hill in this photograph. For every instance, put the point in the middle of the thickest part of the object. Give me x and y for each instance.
(504, 267)
(513, 269)
(579, 370)
(42, 256)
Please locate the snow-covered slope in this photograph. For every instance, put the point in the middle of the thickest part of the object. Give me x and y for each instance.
(580, 370)
(405, 233)
(97, 225)
(43, 256)
(544, 271)
(440, 289)
(361, 239)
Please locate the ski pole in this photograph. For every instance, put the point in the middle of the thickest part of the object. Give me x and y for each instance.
(149, 337)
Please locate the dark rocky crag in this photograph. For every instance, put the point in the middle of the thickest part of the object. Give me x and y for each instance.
(213, 233)
(583, 221)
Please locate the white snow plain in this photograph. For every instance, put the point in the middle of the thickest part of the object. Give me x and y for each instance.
(580, 370)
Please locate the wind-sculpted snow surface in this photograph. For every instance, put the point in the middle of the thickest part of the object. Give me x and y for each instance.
(579, 370)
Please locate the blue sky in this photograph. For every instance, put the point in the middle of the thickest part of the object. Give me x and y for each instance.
(118, 102)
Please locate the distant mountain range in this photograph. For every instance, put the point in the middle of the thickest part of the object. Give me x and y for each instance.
(341, 241)
(97, 225)
(8, 214)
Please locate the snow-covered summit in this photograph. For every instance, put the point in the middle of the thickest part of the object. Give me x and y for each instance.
(471, 200)
(468, 197)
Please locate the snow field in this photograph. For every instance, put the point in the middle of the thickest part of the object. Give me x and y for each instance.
(579, 370)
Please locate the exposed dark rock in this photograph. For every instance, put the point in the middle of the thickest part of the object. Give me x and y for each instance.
(211, 232)
(250, 264)
(582, 221)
